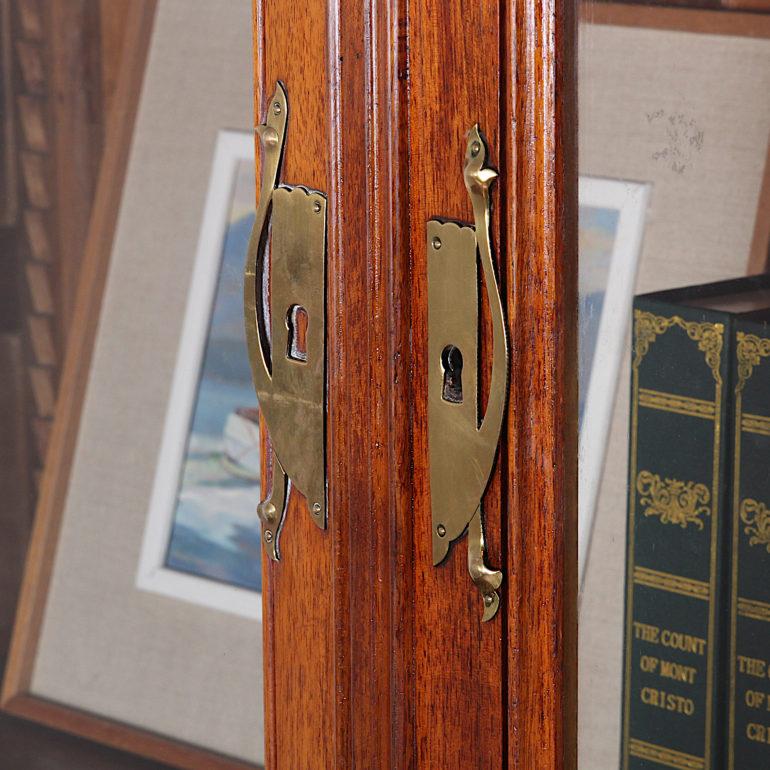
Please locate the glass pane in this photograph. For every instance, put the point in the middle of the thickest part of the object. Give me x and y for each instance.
(674, 109)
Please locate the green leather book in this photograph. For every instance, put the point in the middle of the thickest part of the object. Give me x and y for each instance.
(678, 518)
(748, 618)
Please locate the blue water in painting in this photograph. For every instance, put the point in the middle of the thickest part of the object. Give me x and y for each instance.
(215, 532)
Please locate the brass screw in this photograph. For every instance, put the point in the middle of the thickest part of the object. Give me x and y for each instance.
(267, 511)
(441, 529)
(475, 149)
(276, 108)
(316, 508)
(436, 242)
(488, 599)
(317, 207)
(268, 536)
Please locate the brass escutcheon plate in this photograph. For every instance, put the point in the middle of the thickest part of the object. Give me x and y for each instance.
(287, 263)
(462, 445)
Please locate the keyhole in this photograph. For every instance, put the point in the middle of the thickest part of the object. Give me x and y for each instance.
(296, 323)
(452, 363)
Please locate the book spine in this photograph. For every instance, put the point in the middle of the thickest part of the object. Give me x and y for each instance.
(677, 474)
(748, 616)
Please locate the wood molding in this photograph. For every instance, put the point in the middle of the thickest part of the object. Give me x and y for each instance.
(338, 683)
(696, 20)
(59, 129)
(541, 463)
(119, 736)
(77, 133)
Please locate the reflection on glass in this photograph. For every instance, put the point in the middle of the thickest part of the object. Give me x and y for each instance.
(674, 109)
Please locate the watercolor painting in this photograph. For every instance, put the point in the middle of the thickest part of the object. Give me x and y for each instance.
(215, 532)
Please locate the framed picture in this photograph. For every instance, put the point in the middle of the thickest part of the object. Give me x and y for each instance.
(611, 222)
(202, 539)
(139, 622)
(675, 98)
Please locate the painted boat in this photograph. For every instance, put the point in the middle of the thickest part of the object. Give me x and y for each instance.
(241, 455)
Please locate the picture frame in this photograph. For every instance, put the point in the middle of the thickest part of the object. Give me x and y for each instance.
(9, 198)
(680, 126)
(611, 227)
(234, 154)
(93, 653)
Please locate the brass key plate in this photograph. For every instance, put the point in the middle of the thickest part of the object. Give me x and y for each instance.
(288, 364)
(462, 445)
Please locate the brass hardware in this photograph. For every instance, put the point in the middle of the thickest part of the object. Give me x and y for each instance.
(288, 376)
(462, 448)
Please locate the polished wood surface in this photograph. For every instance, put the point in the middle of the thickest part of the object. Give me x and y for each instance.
(460, 698)
(329, 603)
(541, 460)
(753, 6)
(373, 657)
(298, 595)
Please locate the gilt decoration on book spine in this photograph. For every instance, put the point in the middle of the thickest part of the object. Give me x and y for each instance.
(748, 712)
(676, 477)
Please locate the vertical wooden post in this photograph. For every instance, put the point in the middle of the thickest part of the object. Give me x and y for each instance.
(375, 658)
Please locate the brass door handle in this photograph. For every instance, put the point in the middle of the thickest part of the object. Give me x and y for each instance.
(462, 447)
(288, 365)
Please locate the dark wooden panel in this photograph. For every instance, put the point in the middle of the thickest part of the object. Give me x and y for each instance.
(753, 6)
(77, 133)
(14, 479)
